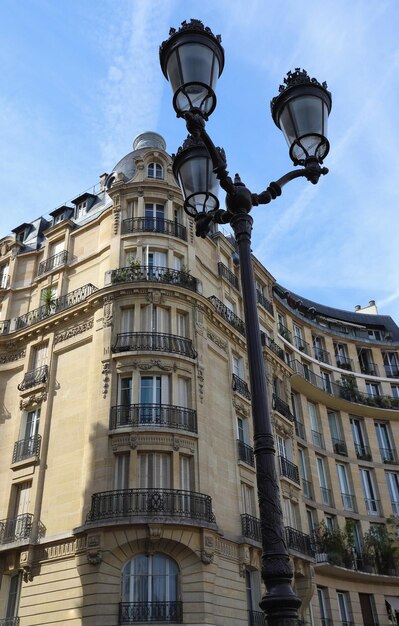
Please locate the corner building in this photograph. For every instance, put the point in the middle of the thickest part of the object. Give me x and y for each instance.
(127, 472)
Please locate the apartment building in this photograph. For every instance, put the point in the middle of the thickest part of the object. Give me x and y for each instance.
(127, 469)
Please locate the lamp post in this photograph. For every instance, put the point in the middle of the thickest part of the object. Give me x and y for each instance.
(192, 59)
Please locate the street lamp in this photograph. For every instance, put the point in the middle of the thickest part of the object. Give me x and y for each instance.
(192, 59)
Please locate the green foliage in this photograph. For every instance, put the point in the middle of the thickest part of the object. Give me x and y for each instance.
(337, 543)
(381, 547)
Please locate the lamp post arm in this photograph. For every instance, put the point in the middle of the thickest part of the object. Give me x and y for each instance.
(312, 171)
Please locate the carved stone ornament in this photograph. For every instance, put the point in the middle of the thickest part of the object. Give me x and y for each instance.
(107, 311)
(72, 332)
(240, 407)
(9, 358)
(217, 340)
(155, 296)
(94, 557)
(116, 214)
(27, 574)
(207, 557)
(201, 381)
(154, 363)
(33, 399)
(106, 377)
(154, 532)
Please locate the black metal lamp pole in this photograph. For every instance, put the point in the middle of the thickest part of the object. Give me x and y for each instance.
(192, 59)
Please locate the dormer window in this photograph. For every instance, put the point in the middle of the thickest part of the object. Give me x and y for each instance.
(58, 218)
(21, 232)
(155, 170)
(81, 209)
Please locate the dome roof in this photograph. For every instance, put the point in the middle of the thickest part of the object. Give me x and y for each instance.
(141, 144)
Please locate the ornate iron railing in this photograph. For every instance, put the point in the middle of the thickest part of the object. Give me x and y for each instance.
(154, 225)
(363, 452)
(391, 371)
(284, 332)
(53, 262)
(231, 278)
(154, 342)
(348, 501)
(250, 527)
(153, 274)
(302, 345)
(228, 314)
(282, 407)
(326, 496)
(157, 415)
(288, 469)
(16, 528)
(245, 453)
(151, 502)
(307, 489)
(299, 541)
(256, 618)
(318, 439)
(264, 302)
(38, 376)
(373, 506)
(274, 347)
(167, 612)
(300, 430)
(388, 455)
(321, 355)
(344, 362)
(26, 448)
(60, 304)
(339, 446)
(371, 369)
(241, 386)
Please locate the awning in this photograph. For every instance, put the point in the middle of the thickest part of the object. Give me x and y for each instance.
(393, 601)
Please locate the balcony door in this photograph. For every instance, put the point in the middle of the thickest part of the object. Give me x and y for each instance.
(155, 319)
(154, 217)
(29, 431)
(154, 470)
(347, 498)
(154, 392)
(370, 492)
(14, 591)
(344, 607)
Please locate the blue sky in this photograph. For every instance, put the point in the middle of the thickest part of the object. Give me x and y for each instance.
(80, 79)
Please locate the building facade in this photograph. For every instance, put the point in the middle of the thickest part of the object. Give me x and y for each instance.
(128, 488)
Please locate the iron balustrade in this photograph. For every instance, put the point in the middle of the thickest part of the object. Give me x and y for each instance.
(59, 304)
(26, 448)
(348, 501)
(373, 506)
(10, 621)
(326, 496)
(318, 439)
(157, 415)
(307, 489)
(344, 362)
(299, 541)
(391, 371)
(388, 455)
(227, 314)
(339, 446)
(256, 618)
(58, 260)
(300, 430)
(250, 527)
(264, 302)
(321, 355)
(245, 453)
(274, 347)
(302, 345)
(288, 469)
(371, 369)
(16, 528)
(282, 407)
(170, 612)
(362, 452)
(284, 332)
(174, 503)
(153, 274)
(154, 342)
(154, 225)
(231, 278)
(38, 376)
(241, 386)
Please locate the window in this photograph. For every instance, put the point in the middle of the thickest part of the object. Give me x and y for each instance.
(298, 337)
(312, 522)
(344, 607)
(284, 447)
(80, 209)
(373, 389)
(359, 439)
(154, 259)
(368, 608)
(252, 588)
(154, 392)
(48, 297)
(121, 471)
(338, 442)
(149, 590)
(346, 494)
(395, 391)
(393, 488)
(319, 350)
(155, 319)
(28, 435)
(155, 170)
(341, 356)
(248, 499)
(296, 406)
(238, 366)
(388, 453)
(154, 470)
(242, 430)
(324, 489)
(181, 324)
(127, 320)
(10, 595)
(324, 607)
(290, 514)
(326, 380)
(154, 217)
(370, 492)
(317, 436)
(367, 366)
(4, 276)
(303, 469)
(186, 473)
(331, 523)
(57, 219)
(391, 364)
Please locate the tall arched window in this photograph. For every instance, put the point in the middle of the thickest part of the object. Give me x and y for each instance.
(155, 170)
(149, 590)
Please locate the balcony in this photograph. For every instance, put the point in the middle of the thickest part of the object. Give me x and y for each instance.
(166, 612)
(388, 455)
(321, 355)
(16, 529)
(339, 446)
(250, 527)
(26, 449)
(59, 304)
(282, 407)
(371, 369)
(362, 452)
(391, 371)
(154, 342)
(326, 496)
(274, 347)
(284, 332)
(373, 507)
(256, 618)
(231, 278)
(38, 376)
(245, 453)
(302, 345)
(348, 501)
(170, 503)
(58, 260)
(154, 225)
(152, 274)
(307, 489)
(299, 541)
(264, 302)
(300, 430)
(240, 386)
(227, 314)
(153, 415)
(344, 362)
(318, 439)
(288, 469)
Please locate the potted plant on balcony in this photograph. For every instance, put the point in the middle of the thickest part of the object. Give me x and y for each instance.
(134, 268)
(48, 301)
(335, 544)
(381, 548)
(348, 388)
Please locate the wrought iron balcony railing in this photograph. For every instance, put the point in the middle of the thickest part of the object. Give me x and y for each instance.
(173, 503)
(154, 342)
(245, 453)
(59, 304)
(26, 449)
(318, 439)
(371, 369)
(227, 314)
(299, 541)
(256, 618)
(167, 612)
(391, 371)
(274, 347)
(231, 278)
(152, 274)
(10, 621)
(284, 332)
(300, 430)
(339, 446)
(373, 507)
(288, 469)
(16, 528)
(241, 386)
(344, 362)
(321, 355)
(154, 225)
(307, 489)
(157, 415)
(58, 260)
(302, 345)
(362, 452)
(348, 501)
(388, 455)
(38, 376)
(250, 527)
(282, 407)
(262, 300)
(326, 496)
